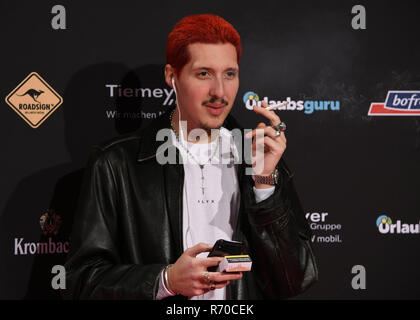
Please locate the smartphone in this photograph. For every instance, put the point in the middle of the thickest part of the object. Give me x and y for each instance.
(226, 248)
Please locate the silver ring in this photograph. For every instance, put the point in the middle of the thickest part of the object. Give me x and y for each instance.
(277, 134)
(212, 286)
(206, 277)
(280, 127)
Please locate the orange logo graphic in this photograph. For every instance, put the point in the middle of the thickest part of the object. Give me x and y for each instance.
(34, 100)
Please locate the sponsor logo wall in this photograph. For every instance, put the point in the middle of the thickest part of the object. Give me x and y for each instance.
(351, 104)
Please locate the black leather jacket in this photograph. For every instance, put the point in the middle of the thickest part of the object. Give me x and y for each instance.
(128, 226)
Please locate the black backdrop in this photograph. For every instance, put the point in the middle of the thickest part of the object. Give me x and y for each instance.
(350, 166)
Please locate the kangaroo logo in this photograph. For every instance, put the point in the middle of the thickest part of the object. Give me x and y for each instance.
(33, 93)
(28, 105)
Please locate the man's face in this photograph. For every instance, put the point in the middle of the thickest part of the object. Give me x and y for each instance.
(207, 85)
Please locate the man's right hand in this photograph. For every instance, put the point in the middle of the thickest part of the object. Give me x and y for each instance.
(187, 275)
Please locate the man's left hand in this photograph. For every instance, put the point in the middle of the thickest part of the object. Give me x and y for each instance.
(271, 151)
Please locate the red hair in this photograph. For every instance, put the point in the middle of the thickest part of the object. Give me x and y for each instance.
(204, 28)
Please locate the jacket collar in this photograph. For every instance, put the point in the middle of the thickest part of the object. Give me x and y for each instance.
(148, 143)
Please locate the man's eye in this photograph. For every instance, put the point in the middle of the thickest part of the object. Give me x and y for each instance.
(231, 74)
(203, 73)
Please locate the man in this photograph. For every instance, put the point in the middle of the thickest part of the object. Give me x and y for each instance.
(143, 228)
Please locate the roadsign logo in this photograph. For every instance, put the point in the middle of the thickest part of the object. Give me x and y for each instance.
(34, 100)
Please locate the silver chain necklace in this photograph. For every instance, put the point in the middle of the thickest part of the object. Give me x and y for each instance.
(192, 156)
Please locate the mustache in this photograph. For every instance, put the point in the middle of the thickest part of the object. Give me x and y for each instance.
(213, 100)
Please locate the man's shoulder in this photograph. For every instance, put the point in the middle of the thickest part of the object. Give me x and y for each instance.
(130, 144)
(120, 141)
(115, 150)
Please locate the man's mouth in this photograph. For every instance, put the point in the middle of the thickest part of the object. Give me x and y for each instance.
(215, 109)
(215, 105)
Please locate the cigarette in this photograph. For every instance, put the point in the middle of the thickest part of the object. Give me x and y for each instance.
(276, 106)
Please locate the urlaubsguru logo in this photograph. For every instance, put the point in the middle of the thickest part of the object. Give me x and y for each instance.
(397, 103)
(252, 99)
(385, 225)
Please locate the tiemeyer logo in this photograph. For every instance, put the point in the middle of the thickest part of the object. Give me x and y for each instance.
(50, 223)
(397, 103)
(34, 100)
(157, 96)
(385, 225)
(251, 99)
(168, 96)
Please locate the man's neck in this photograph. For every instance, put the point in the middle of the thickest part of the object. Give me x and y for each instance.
(205, 137)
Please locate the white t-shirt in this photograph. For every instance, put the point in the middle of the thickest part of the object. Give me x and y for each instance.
(211, 197)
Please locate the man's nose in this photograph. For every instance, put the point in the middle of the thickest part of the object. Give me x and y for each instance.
(217, 89)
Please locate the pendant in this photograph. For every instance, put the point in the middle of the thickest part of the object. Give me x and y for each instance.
(202, 177)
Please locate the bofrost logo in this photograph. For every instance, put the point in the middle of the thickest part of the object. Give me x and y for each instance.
(252, 99)
(385, 225)
(397, 103)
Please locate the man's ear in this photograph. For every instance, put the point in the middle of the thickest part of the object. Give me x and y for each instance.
(169, 75)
